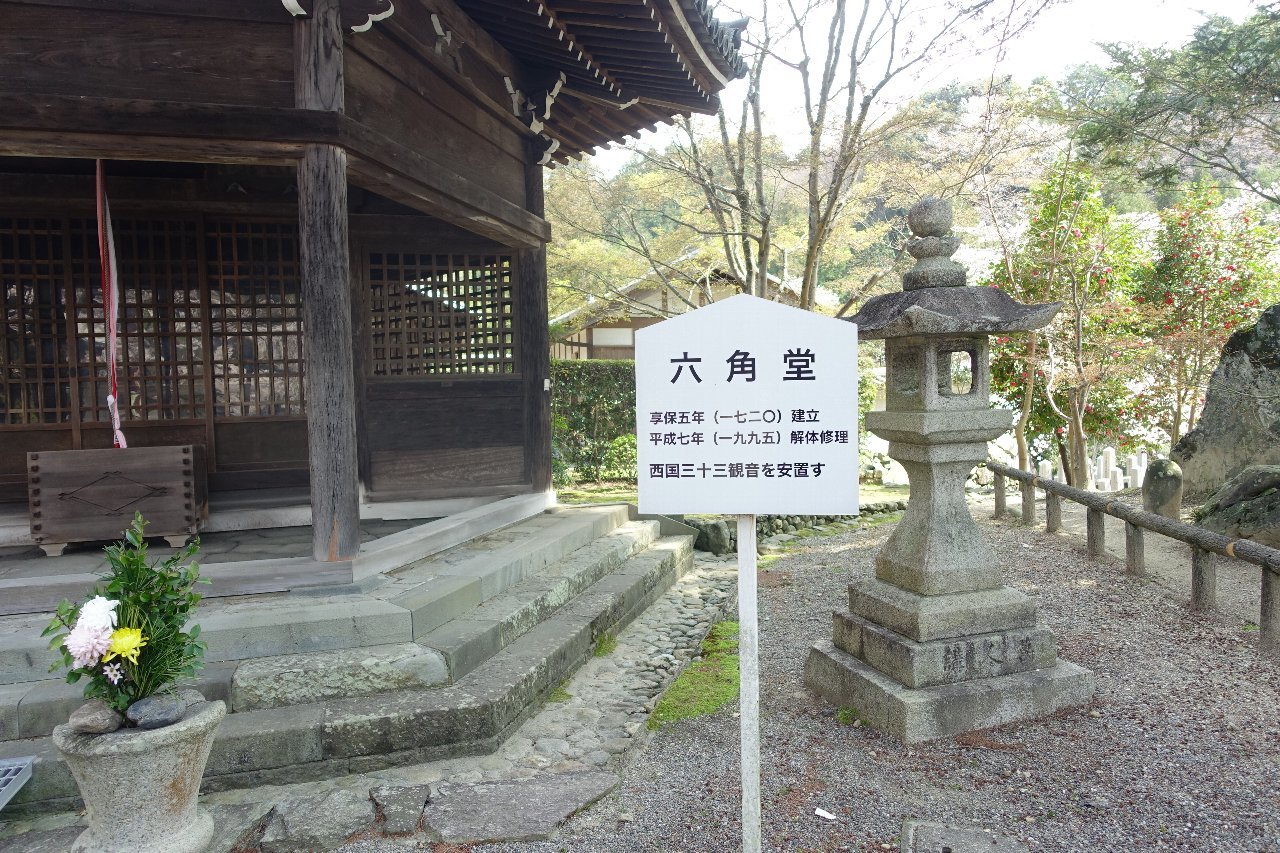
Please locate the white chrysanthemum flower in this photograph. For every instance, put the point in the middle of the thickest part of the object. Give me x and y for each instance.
(87, 643)
(98, 612)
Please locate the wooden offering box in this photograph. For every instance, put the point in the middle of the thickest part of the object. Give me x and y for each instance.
(91, 495)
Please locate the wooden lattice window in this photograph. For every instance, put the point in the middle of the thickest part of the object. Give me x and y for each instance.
(160, 355)
(441, 315)
(255, 315)
(35, 336)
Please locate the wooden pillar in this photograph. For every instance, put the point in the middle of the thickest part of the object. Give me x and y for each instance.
(1269, 612)
(998, 485)
(1052, 513)
(1095, 532)
(1204, 579)
(326, 295)
(535, 343)
(1028, 503)
(1135, 557)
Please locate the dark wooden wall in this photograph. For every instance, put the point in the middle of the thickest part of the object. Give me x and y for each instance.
(438, 437)
(426, 122)
(411, 103)
(224, 52)
(421, 437)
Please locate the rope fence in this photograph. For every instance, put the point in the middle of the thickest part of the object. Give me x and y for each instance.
(1205, 545)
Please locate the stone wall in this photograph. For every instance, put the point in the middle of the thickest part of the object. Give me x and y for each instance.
(720, 535)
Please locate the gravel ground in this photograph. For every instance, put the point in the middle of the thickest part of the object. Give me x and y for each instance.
(1180, 748)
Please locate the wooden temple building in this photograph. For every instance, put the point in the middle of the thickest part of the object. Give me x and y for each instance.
(328, 221)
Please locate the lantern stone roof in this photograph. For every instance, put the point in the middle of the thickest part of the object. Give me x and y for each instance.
(948, 311)
(935, 299)
(615, 68)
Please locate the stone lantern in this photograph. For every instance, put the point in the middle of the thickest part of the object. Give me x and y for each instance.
(936, 644)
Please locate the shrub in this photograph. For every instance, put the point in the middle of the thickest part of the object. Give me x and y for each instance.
(619, 460)
(593, 403)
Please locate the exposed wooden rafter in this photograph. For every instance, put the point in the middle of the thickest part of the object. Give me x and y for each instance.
(625, 65)
(357, 16)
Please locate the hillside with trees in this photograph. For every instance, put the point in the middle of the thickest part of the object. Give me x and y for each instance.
(1142, 194)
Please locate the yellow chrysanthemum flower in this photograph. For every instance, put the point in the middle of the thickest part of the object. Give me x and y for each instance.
(125, 643)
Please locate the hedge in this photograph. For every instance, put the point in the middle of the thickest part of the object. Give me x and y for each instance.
(593, 410)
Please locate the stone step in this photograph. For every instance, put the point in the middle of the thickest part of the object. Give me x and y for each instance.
(72, 576)
(469, 640)
(445, 654)
(364, 733)
(379, 654)
(432, 591)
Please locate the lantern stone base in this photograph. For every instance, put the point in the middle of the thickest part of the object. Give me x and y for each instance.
(943, 710)
(949, 661)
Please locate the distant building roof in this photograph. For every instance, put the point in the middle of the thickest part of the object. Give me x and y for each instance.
(614, 301)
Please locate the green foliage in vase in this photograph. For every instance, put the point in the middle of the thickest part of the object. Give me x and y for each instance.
(130, 639)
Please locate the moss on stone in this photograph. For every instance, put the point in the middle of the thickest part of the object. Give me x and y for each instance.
(605, 645)
(705, 685)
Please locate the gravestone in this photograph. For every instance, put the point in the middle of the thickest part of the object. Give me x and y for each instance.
(1162, 488)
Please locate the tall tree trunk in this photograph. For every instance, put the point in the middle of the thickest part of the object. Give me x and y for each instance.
(1024, 407)
(1065, 460)
(1077, 440)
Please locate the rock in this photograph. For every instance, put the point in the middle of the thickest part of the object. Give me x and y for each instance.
(154, 712)
(527, 810)
(1162, 488)
(400, 808)
(1240, 425)
(1247, 506)
(189, 696)
(95, 717)
(320, 821)
(717, 538)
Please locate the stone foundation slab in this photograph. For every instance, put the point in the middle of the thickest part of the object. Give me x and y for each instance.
(930, 713)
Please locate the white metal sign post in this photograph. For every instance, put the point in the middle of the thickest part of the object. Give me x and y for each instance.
(747, 407)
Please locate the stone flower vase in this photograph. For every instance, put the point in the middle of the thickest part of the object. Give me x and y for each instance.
(140, 785)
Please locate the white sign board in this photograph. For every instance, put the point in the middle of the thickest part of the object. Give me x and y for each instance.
(747, 407)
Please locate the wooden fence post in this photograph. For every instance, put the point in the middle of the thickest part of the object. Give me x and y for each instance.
(999, 487)
(1204, 579)
(1269, 615)
(1028, 502)
(1095, 532)
(1135, 558)
(1052, 513)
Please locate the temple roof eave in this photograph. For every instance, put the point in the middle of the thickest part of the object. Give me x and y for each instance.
(624, 67)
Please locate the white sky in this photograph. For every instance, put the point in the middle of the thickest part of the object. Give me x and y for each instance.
(1067, 35)
(1061, 37)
